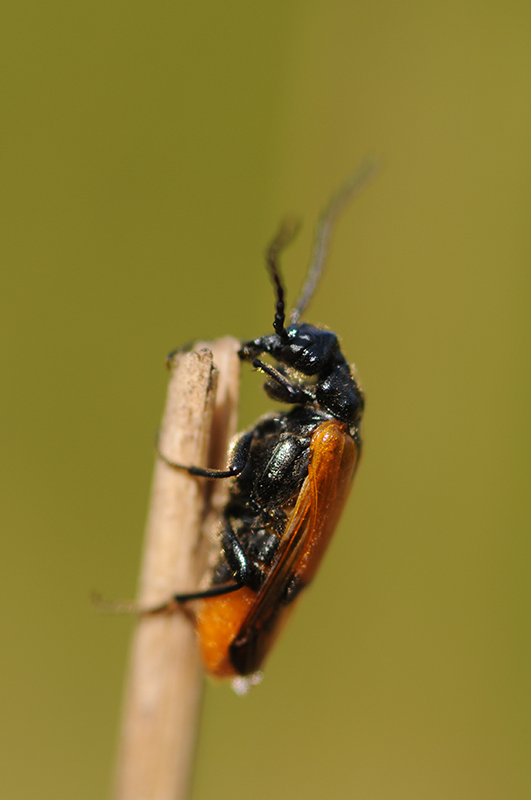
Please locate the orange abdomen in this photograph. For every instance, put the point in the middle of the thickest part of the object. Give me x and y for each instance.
(218, 622)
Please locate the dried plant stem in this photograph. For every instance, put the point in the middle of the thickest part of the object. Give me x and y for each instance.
(163, 694)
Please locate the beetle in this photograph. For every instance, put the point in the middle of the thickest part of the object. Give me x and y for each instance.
(290, 473)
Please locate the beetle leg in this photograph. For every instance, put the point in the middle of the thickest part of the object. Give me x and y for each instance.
(282, 389)
(292, 590)
(234, 554)
(264, 344)
(236, 466)
(184, 349)
(179, 599)
(245, 566)
(213, 591)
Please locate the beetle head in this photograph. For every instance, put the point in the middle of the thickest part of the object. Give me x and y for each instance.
(306, 348)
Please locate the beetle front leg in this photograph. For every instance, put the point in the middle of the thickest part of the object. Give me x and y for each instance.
(279, 388)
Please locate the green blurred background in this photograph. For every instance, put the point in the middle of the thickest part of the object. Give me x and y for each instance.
(148, 150)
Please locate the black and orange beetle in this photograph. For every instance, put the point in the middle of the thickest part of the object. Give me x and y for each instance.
(291, 474)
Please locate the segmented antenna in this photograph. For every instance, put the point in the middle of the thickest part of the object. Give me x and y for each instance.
(347, 191)
(286, 233)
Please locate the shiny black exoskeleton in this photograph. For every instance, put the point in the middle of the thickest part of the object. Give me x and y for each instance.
(269, 462)
(276, 455)
(313, 353)
(272, 458)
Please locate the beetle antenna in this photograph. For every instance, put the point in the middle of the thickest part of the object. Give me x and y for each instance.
(354, 184)
(286, 233)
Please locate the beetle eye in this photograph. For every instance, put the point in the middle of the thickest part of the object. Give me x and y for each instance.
(298, 347)
(306, 337)
(291, 352)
